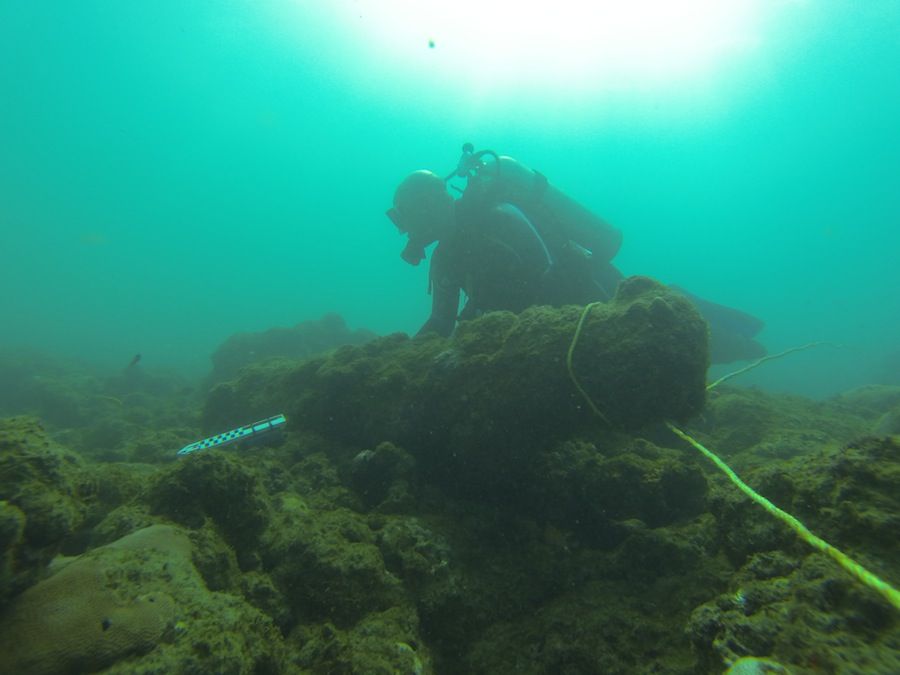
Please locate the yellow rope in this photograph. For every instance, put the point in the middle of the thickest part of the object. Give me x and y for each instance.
(763, 360)
(584, 394)
(887, 591)
(856, 570)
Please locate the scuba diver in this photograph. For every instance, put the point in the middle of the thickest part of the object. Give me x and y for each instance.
(512, 240)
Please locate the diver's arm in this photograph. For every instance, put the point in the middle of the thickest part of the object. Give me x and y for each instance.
(444, 299)
(607, 277)
(444, 306)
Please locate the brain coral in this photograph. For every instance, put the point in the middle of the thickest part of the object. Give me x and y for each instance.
(84, 617)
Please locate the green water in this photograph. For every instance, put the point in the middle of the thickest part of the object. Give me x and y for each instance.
(174, 172)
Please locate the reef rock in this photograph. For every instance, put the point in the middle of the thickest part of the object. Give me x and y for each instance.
(42, 488)
(479, 411)
(501, 381)
(306, 339)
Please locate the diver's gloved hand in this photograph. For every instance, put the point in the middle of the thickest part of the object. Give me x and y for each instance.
(435, 326)
(413, 253)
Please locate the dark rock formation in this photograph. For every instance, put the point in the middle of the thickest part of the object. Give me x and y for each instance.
(306, 339)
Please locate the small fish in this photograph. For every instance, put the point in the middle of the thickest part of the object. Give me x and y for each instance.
(135, 361)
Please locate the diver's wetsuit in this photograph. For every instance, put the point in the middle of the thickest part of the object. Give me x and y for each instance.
(500, 260)
(495, 256)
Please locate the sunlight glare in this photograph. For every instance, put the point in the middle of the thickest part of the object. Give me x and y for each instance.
(564, 43)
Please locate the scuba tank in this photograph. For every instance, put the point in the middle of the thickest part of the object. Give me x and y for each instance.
(564, 224)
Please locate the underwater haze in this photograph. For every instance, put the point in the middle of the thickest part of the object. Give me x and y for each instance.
(173, 173)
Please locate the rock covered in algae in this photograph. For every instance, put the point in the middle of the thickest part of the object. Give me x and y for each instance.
(788, 601)
(42, 488)
(501, 379)
(330, 562)
(213, 485)
(12, 526)
(806, 614)
(383, 642)
(305, 339)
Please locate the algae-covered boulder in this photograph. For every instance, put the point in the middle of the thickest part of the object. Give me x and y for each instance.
(383, 477)
(330, 562)
(214, 485)
(500, 385)
(12, 526)
(605, 493)
(888, 424)
(384, 642)
(54, 389)
(847, 494)
(787, 601)
(873, 398)
(305, 339)
(43, 486)
(805, 613)
(641, 358)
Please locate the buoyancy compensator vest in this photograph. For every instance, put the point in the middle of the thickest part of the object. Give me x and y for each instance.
(562, 222)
